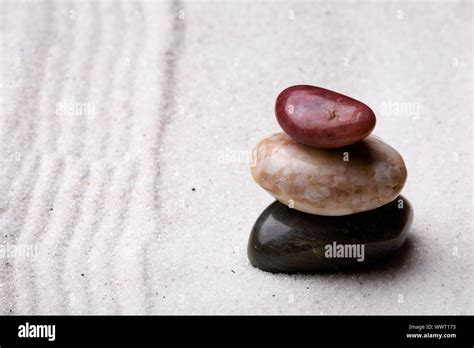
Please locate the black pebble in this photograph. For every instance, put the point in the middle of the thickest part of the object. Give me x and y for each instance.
(290, 241)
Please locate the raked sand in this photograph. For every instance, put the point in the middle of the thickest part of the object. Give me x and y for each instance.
(126, 128)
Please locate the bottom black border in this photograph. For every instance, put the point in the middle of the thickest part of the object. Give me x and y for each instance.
(224, 330)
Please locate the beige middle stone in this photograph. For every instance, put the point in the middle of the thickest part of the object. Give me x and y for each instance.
(333, 182)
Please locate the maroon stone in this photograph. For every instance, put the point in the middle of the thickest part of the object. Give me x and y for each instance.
(322, 118)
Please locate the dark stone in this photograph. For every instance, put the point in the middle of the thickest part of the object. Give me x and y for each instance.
(290, 241)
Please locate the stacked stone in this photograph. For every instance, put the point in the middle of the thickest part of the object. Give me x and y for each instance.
(337, 187)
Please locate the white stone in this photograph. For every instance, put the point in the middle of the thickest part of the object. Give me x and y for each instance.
(320, 181)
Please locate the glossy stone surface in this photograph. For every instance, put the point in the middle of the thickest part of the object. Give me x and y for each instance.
(333, 182)
(289, 241)
(322, 118)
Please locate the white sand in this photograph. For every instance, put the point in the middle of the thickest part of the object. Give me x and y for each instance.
(164, 105)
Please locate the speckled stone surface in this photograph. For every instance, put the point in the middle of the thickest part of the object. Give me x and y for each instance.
(331, 182)
(286, 240)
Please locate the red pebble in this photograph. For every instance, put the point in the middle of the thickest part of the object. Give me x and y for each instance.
(322, 118)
